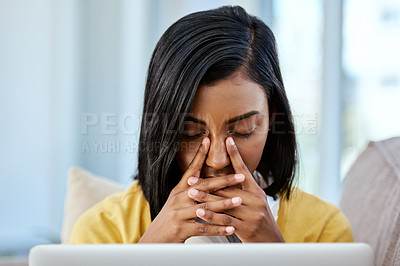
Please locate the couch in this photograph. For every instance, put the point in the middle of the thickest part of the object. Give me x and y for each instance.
(371, 200)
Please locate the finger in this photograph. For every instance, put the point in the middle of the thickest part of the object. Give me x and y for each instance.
(203, 229)
(202, 196)
(248, 198)
(195, 166)
(241, 213)
(215, 183)
(239, 166)
(189, 213)
(218, 218)
(230, 192)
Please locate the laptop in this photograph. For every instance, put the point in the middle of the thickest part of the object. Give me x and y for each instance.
(343, 254)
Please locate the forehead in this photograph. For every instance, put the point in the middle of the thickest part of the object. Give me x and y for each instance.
(229, 97)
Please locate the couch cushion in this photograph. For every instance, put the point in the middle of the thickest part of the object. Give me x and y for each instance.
(371, 199)
(84, 190)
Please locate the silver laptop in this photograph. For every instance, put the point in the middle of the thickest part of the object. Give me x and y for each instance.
(352, 254)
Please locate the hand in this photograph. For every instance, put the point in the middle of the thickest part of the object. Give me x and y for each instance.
(253, 220)
(175, 222)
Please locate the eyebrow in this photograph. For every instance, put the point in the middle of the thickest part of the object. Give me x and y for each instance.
(230, 121)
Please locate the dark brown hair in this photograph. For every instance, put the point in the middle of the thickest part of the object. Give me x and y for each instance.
(202, 48)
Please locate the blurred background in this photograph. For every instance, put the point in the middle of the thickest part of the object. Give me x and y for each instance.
(72, 76)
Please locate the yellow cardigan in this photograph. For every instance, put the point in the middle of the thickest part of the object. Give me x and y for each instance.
(124, 217)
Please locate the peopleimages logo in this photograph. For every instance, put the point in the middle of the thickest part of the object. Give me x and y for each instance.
(110, 123)
(115, 133)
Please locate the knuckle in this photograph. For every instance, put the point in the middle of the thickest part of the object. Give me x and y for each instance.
(221, 231)
(176, 230)
(204, 206)
(260, 217)
(204, 182)
(227, 220)
(257, 202)
(202, 229)
(209, 215)
(253, 232)
(227, 203)
(176, 200)
(172, 213)
(174, 191)
(242, 165)
(202, 196)
(261, 201)
(172, 201)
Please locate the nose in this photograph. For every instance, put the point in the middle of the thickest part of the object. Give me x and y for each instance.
(217, 155)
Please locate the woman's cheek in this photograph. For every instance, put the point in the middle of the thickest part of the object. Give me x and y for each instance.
(251, 152)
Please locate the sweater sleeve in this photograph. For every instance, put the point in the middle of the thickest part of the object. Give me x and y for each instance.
(120, 218)
(337, 229)
(94, 227)
(307, 218)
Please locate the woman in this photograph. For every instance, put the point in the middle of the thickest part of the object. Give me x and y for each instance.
(217, 155)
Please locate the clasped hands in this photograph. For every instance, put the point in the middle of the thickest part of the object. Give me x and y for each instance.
(227, 207)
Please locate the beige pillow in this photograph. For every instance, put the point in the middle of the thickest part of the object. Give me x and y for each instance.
(84, 190)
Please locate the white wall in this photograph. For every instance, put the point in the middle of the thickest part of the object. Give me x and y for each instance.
(60, 60)
(28, 140)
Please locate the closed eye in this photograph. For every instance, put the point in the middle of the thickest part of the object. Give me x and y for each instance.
(236, 134)
(244, 136)
(185, 136)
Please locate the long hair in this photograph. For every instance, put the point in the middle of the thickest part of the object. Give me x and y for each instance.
(203, 48)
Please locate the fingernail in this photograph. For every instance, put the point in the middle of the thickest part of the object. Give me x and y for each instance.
(231, 141)
(200, 212)
(239, 177)
(192, 180)
(230, 229)
(193, 192)
(236, 200)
